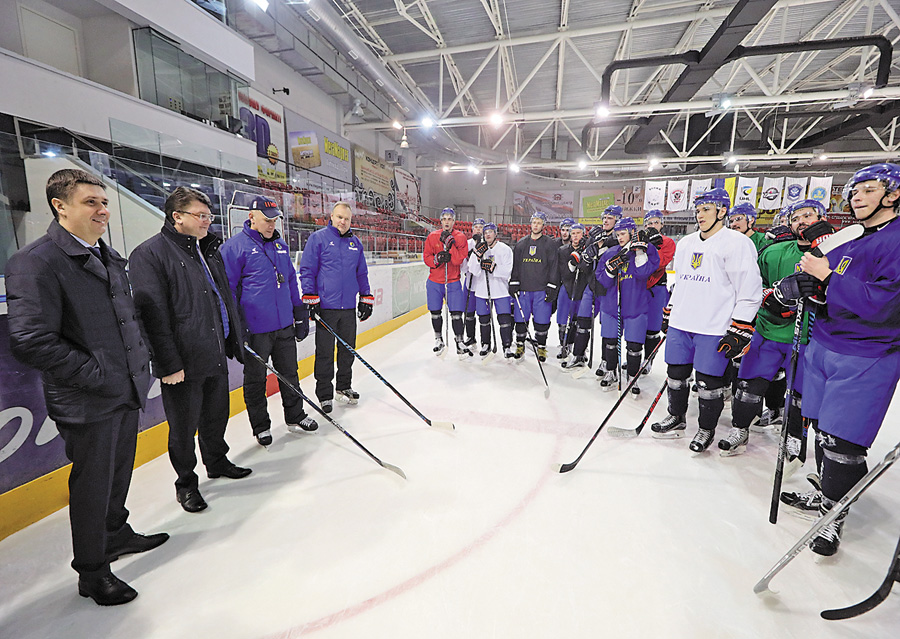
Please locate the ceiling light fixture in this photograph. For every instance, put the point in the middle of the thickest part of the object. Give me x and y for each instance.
(497, 119)
(396, 125)
(427, 122)
(514, 167)
(404, 143)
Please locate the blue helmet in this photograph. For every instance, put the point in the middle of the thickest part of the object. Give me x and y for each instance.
(744, 208)
(576, 226)
(449, 211)
(566, 223)
(625, 224)
(717, 196)
(653, 213)
(539, 215)
(887, 174)
(806, 204)
(490, 226)
(478, 220)
(613, 210)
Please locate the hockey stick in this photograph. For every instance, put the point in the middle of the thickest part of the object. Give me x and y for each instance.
(445, 314)
(840, 506)
(296, 389)
(619, 330)
(534, 347)
(634, 432)
(490, 356)
(564, 468)
(877, 597)
(445, 425)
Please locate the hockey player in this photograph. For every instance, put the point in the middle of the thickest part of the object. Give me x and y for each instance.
(576, 299)
(490, 265)
(656, 283)
(853, 357)
(445, 251)
(742, 218)
(770, 347)
(716, 295)
(599, 239)
(466, 278)
(623, 271)
(565, 236)
(534, 285)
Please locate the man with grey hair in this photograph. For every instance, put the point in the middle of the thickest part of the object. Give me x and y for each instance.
(192, 325)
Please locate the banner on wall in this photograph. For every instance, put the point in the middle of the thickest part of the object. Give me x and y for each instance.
(407, 190)
(315, 148)
(263, 123)
(770, 196)
(746, 190)
(593, 203)
(699, 187)
(558, 205)
(794, 190)
(373, 180)
(654, 194)
(631, 199)
(820, 189)
(677, 197)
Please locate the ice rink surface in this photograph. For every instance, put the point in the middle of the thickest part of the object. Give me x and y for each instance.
(485, 539)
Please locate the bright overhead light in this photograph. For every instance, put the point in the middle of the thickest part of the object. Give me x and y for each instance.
(868, 93)
(654, 162)
(427, 122)
(396, 125)
(49, 154)
(195, 185)
(514, 167)
(823, 156)
(582, 164)
(730, 159)
(445, 168)
(484, 181)
(497, 119)
(404, 143)
(474, 169)
(262, 4)
(601, 110)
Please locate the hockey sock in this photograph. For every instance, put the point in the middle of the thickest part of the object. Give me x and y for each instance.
(653, 338)
(711, 397)
(470, 326)
(437, 323)
(562, 333)
(485, 323)
(634, 353)
(775, 394)
(540, 333)
(456, 322)
(582, 335)
(505, 320)
(610, 354)
(748, 401)
(678, 390)
(844, 464)
(521, 331)
(817, 449)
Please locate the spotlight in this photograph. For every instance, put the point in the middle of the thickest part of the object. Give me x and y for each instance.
(654, 162)
(396, 125)
(404, 144)
(601, 110)
(730, 159)
(514, 167)
(582, 164)
(484, 181)
(357, 109)
(497, 119)
(427, 122)
(445, 168)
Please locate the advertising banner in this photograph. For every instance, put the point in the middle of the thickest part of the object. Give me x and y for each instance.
(315, 148)
(677, 200)
(794, 190)
(654, 194)
(746, 190)
(407, 191)
(408, 288)
(631, 199)
(558, 205)
(820, 189)
(593, 203)
(770, 196)
(373, 180)
(698, 187)
(263, 123)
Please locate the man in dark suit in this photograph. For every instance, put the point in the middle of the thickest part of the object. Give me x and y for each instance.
(193, 325)
(72, 317)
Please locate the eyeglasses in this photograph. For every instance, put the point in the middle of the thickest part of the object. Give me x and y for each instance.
(203, 217)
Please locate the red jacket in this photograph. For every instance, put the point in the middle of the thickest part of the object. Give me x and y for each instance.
(458, 254)
(666, 253)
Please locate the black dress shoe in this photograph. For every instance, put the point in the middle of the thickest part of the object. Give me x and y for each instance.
(230, 471)
(138, 543)
(108, 590)
(191, 500)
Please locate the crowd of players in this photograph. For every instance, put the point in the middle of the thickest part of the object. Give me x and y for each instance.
(730, 318)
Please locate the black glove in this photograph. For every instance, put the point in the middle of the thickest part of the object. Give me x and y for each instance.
(443, 257)
(481, 247)
(550, 294)
(654, 237)
(301, 330)
(595, 234)
(365, 307)
(797, 286)
(617, 262)
(780, 234)
(776, 308)
(816, 233)
(476, 237)
(736, 341)
(513, 289)
(610, 241)
(639, 243)
(312, 303)
(665, 320)
(488, 264)
(444, 236)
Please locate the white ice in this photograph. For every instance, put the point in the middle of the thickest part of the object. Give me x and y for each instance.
(485, 539)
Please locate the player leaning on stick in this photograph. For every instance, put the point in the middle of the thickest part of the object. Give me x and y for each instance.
(853, 357)
(770, 348)
(445, 251)
(466, 278)
(716, 295)
(534, 285)
(490, 265)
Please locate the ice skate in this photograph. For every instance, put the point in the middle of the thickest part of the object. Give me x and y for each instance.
(347, 396)
(542, 353)
(829, 538)
(671, 427)
(735, 443)
(563, 353)
(438, 346)
(306, 425)
(462, 351)
(701, 440)
(769, 418)
(609, 381)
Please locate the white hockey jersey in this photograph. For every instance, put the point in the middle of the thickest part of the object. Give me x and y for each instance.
(503, 258)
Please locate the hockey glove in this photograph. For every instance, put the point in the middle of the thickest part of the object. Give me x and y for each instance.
(665, 320)
(443, 257)
(513, 289)
(365, 307)
(736, 341)
(488, 265)
(610, 241)
(654, 237)
(617, 262)
(481, 248)
(301, 330)
(816, 233)
(550, 294)
(776, 308)
(780, 234)
(476, 238)
(574, 260)
(797, 286)
(444, 236)
(639, 243)
(312, 303)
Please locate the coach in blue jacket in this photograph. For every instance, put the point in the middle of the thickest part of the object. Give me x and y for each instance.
(264, 283)
(332, 273)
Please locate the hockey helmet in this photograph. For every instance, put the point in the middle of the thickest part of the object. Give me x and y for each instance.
(653, 213)
(625, 224)
(717, 196)
(613, 210)
(806, 204)
(746, 209)
(887, 174)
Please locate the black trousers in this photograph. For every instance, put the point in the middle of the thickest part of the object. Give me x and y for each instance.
(102, 456)
(196, 406)
(282, 348)
(342, 322)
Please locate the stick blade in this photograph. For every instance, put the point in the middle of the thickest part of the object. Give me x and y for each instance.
(762, 588)
(578, 373)
(443, 425)
(487, 358)
(393, 469)
(621, 433)
(564, 468)
(547, 392)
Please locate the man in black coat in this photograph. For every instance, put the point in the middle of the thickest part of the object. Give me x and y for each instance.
(193, 325)
(71, 316)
